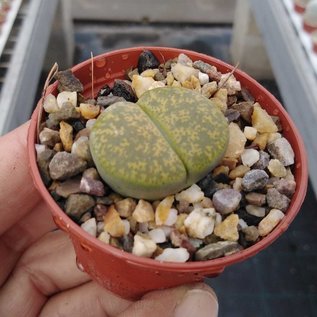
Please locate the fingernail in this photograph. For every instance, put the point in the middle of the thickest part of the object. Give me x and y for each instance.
(197, 302)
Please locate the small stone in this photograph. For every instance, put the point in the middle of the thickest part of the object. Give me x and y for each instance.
(226, 201)
(285, 186)
(184, 60)
(254, 180)
(203, 78)
(232, 99)
(90, 226)
(162, 211)
(250, 157)
(232, 115)
(251, 233)
(104, 237)
(278, 123)
(92, 186)
(44, 158)
(228, 229)
(179, 224)
(50, 104)
(78, 204)
(256, 199)
(268, 223)
(207, 185)
(216, 250)
(277, 200)
(68, 187)
(237, 184)
(220, 104)
(66, 97)
(157, 235)
(230, 162)
(49, 137)
(157, 84)
(229, 82)
(125, 90)
(90, 123)
(192, 194)
(210, 70)
(81, 149)
(242, 224)
(276, 168)
(89, 111)
(91, 173)
(239, 171)
(282, 150)
(206, 203)
(209, 89)
(256, 211)
(100, 211)
(173, 255)
(245, 109)
(68, 112)
(250, 133)
(66, 135)
(183, 73)
(125, 207)
(84, 132)
(147, 60)
(261, 140)
(143, 212)
(65, 165)
(262, 121)
(263, 161)
(159, 77)
(246, 95)
(143, 246)
(149, 72)
(192, 83)
(222, 94)
(200, 222)
(106, 101)
(236, 142)
(141, 84)
(68, 82)
(171, 218)
(113, 223)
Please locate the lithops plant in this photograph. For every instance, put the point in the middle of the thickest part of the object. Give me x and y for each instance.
(168, 140)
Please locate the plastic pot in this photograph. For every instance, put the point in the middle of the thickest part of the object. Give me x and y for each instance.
(123, 273)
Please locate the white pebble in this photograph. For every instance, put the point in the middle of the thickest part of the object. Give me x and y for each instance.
(141, 84)
(200, 223)
(90, 226)
(126, 224)
(157, 235)
(183, 72)
(268, 223)
(218, 218)
(237, 185)
(250, 133)
(242, 224)
(193, 194)
(184, 60)
(39, 148)
(66, 96)
(50, 104)
(173, 255)
(250, 157)
(167, 230)
(90, 123)
(273, 137)
(143, 246)
(157, 84)
(104, 237)
(171, 218)
(203, 78)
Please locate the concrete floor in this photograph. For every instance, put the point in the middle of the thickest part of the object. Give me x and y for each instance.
(281, 280)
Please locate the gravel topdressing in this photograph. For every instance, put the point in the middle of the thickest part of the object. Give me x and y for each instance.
(234, 206)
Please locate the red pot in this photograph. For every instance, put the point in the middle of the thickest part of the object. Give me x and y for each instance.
(126, 274)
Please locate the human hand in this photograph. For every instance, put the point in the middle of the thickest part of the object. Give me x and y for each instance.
(38, 272)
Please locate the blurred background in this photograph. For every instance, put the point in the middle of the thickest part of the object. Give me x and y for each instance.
(273, 41)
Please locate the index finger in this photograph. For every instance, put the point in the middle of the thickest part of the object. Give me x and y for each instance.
(18, 195)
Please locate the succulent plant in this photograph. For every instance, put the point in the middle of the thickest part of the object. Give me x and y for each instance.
(168, 140)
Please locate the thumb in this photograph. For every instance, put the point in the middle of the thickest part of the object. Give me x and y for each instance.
(183, 301)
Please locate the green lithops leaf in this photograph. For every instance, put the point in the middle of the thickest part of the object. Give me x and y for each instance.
(132, 156)
(165, 142)
(195, 128)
